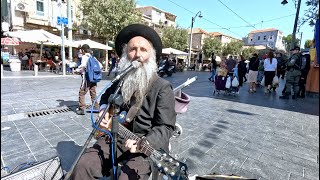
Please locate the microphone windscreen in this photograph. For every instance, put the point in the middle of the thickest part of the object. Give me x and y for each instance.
(136, 64)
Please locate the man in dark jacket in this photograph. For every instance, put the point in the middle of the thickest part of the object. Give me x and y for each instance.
(305, 67)
(149, 101)
(293, 74)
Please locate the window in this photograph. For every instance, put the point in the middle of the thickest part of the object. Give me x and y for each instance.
(251, 39)
(258, 37)
(264, 37)
(40, 9)
(271, 37)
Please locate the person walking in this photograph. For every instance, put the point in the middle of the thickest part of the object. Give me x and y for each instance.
(293, 74)
(270, 68)
(85, 84)
(253, 72)
(242, 70)
(113, 63)
(231, 63)
(213, 67)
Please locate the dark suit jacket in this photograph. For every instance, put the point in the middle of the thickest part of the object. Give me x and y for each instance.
(156, 118)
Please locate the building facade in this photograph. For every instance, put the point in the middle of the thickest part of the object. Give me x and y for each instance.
(270, 38)
(224, 39)
(157, 18)
(43, 14)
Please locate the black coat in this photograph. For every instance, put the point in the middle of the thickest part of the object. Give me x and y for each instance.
(242, 68)
(156, 118)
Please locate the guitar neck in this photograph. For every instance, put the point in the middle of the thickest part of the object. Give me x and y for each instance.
(126, 134)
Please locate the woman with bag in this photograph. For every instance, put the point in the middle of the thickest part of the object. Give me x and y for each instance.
(270, 68)
(253, 72)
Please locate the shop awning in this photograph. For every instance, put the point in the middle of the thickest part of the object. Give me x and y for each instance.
(10, 41)
(173, 51)
(93, 44)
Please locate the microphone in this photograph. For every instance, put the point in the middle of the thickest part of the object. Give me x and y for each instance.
(134, 65)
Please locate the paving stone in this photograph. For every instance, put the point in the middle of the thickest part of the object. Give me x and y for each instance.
(264, 170)
(15, 160)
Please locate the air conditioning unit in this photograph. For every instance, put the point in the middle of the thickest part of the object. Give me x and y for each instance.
(21, 7)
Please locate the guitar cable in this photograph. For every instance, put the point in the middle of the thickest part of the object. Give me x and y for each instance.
(102, 130)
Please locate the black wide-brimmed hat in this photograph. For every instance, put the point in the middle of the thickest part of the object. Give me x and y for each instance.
(133, 30)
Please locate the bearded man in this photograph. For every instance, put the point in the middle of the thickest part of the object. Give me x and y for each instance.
(150, 98)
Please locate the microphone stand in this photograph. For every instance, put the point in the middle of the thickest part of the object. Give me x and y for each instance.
(115, 99)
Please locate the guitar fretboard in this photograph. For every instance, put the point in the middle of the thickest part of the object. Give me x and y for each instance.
(126, 134)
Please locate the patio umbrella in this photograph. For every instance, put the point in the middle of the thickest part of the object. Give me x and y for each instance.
(93, 44)
(173, 51)
(10, 41)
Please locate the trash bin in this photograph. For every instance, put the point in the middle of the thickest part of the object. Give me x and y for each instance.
(15, 65)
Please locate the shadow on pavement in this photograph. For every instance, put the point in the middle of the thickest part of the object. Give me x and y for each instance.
(67, 151)
(239, 112)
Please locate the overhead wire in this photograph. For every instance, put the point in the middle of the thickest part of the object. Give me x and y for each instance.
(204, 18)
(237, 14)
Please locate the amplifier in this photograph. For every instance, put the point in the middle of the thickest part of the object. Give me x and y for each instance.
(47, 170)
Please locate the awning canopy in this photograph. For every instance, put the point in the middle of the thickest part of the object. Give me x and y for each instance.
(33, 36)
(173, 51)
(92, 44)
(10, 41)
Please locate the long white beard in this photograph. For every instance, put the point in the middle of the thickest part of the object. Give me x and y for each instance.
(137, 81)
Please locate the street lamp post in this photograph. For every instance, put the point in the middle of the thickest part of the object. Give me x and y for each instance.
(190, 41)
(293, 38)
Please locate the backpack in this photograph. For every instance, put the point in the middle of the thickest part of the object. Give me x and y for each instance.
(93, 71)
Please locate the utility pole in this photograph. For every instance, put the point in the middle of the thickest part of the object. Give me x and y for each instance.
(70, 30)
(295, 26)
(300, 39)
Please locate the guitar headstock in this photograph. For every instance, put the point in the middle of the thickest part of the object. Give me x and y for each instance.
(168, 165)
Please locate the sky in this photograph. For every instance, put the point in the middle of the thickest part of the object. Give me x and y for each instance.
(235, 18)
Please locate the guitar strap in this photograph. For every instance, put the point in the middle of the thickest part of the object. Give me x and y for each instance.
(135, 108)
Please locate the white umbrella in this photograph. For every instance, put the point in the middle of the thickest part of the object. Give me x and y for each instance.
(92, 44)
(173, 51)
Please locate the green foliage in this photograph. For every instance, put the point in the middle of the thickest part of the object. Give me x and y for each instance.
(308, 43)
(106, 18)
(248, 51)
(311, 14)
(234, 48)
(176, 38)
(287, 40)
(211, 45)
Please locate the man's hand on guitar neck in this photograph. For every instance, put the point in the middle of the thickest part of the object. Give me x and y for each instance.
(106, 120)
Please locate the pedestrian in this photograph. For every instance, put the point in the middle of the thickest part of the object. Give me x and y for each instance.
(230, 63)
(253, 72)
(213, 67)
(305, 67)
(242, 70)
(270, 68)
(113, 63)
(85, 84)
(293, 74)
(144, 91)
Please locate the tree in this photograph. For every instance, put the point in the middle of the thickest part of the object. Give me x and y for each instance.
(234, 48)
(176, 38)
(211, 45)
(248, 51)
(308, 43)
(287, 40)
(311, 14)
(106, 18)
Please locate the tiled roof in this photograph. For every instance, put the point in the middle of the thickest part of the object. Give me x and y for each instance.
(264, 30)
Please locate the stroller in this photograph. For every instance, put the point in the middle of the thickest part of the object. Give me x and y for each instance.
(220, 85)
